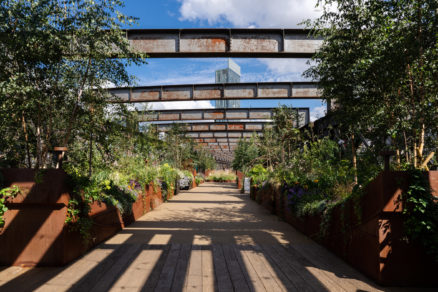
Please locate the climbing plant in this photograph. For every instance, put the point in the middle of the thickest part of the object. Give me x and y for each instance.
(5, 194)
(420, 213)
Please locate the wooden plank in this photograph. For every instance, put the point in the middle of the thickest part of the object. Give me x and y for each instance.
(235, 271)
(261, 269)
(138, 273)
(207, 270)
(152, 281)
(77, 270)
(194, 276)
(272, 279)
(26, 279)
(105, 277)
(300, 269)
(9, 273)
(295, 279)
(323, 275)
(181, 269)
(327, 261)
(168, 272)
(312, 275)
(223, 280)
(243, 254)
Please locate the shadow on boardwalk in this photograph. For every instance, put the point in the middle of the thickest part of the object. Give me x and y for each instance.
(208, 239)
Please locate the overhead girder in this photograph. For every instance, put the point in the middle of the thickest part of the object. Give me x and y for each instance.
(240, 134)
(217, 91)
(217, 127)
(218, 114)
(216, 140)
(234, 42)
(255, 43)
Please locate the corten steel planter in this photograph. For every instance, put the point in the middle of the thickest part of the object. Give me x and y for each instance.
(35, 232)
(240, 178)
(372, 242)
(253, 192)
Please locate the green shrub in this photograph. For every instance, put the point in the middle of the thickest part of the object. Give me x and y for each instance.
(199, 179)
(221, 176)
(168, 176)
(258, 175)
(5, 194)
(420, 214)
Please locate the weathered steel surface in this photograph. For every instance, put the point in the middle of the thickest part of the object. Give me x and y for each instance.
(236, 135)
(220, 114)
(254, 127)
(236, 114)
(168, 116)
(214, 115)
(210, 140)
(198, 115)
(206, 135)
(200, 128)
(254, 43)
(208, 92)
(218, 127)
(227, 91)
(236, 127)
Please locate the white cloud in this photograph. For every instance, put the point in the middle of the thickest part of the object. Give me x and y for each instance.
(250, 13)
(286, 66)
(318, 112)
(177, 79)
(285, 69)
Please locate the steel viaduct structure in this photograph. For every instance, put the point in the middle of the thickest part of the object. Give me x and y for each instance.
(225, 91)
(238, 43)
(219, 130)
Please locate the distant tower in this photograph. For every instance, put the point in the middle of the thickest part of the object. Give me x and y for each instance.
(228, 75)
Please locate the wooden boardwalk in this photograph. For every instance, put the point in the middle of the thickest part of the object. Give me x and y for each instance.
(208, 239)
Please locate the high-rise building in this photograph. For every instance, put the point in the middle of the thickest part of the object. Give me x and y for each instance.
(228, 75)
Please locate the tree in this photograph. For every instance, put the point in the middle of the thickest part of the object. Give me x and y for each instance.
(55, 55)
(379, 64)
(245, 154)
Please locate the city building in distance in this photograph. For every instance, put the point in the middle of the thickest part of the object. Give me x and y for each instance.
(228, 75)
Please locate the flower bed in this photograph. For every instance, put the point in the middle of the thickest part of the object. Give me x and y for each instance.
(35, 230)
(368, 232)
(221, 176)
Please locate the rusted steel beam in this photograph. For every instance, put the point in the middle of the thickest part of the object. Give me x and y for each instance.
(224, 91)
(247, 126)
(217, 114)
(251, 43)
(237, 134)
(216, 140)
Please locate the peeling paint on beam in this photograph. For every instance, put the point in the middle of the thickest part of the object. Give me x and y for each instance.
(218, 127)
(230, 135)
(253, 43)
(227, 91)
(247, 115)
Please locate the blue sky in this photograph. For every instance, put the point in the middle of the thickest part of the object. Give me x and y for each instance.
(222, 13)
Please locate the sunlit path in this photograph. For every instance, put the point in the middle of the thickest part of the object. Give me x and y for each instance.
(211, 238)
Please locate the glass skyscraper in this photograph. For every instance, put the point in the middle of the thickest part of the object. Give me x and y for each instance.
(228, 75)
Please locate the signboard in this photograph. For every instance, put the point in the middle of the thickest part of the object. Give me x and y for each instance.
(246, 185)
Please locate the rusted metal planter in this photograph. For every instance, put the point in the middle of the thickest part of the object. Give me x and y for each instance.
(240, 178)
(372, 242)
(35, 233)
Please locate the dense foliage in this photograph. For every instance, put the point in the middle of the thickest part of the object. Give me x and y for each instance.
(421, 213)
(221, 176)
(378, 67)
(55, 67)
(378, 71)
(57, 60)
